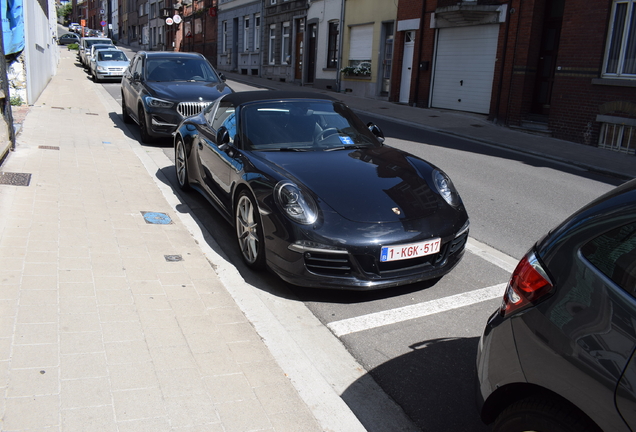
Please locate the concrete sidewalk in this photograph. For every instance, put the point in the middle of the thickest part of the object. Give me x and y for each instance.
(114, 319)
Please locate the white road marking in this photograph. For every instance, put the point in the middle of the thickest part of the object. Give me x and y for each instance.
(392, 316)
(491, 255)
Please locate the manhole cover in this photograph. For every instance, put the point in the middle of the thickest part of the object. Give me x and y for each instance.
(15, 179)
(173, 258)
(156, 218)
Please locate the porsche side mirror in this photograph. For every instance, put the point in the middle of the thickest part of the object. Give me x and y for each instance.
(375, 130)
(222, 137)
(222, 77)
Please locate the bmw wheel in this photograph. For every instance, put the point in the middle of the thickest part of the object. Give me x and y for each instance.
(249, 231)
(124, 111)
(181, 165)
(143, 126)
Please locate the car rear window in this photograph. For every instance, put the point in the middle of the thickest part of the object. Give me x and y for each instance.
(614, 254)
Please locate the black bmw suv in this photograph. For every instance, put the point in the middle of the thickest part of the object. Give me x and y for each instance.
(161, 88)
(559, 354)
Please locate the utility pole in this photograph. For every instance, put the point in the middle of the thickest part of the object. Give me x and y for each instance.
(5, 99)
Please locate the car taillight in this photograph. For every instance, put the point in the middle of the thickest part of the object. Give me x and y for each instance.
(528, 284)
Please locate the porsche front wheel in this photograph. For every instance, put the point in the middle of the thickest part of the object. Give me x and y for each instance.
(249, 231)
(181, 165)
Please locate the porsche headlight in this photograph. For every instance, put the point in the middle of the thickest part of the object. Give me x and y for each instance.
(157, 103)
(446, 188)
(297, 205)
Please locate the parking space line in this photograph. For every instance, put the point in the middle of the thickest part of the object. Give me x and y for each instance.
(393, 316)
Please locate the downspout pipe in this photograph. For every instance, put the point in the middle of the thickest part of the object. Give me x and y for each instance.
(419, 53)
(340, 44)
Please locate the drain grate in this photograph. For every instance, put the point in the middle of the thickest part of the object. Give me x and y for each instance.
(92, 114)
(15, 179)
(60, 108)
(173, 258)
(48, 147)
(433, 116)
(156, 218)
(477, 125)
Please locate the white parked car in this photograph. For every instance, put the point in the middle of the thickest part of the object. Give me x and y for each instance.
(108, 64)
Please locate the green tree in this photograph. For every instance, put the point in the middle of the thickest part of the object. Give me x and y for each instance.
(65, 11)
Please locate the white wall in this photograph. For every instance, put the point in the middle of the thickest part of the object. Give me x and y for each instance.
(41, 51)
(324, 11)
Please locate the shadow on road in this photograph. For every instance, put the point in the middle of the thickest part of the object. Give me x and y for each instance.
(433, 384)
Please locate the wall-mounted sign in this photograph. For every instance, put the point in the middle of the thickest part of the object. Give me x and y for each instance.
(177, 19)
(169, 21)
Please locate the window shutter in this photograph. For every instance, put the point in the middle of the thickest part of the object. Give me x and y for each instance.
(361, 42)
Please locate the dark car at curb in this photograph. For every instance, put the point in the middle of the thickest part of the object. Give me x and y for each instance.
(315, 196)
(160, 88)
(559, 353)
(68, 38)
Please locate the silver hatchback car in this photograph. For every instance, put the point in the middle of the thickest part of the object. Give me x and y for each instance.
(108, 64)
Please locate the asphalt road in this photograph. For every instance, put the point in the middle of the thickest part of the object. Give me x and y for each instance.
(419, 342)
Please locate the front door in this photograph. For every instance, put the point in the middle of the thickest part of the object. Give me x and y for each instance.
(407, 66)
(311, 53)
(300, 35)
(546, 67)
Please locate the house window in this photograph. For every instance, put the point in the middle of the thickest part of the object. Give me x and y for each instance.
(224, 36)
(272, 43)
(286, 44)
(246, 33)
(620, 54)
(332, 45)
(257, 32)
(198, 26)
(272, 2)
(618, 137)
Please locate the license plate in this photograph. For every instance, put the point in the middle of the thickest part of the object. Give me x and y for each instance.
(413, 250)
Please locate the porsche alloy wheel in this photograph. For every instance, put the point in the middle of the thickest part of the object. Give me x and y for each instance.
(181, 165)
(249, 231)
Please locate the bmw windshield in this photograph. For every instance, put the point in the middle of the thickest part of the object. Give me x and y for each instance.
(180, 69)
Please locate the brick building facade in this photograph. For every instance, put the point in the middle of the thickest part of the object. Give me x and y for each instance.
(559, 67)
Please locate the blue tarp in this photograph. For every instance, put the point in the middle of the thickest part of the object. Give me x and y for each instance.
(12, 13)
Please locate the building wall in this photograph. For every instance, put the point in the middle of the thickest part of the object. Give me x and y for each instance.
(41, 52)
(322, 12)
(578, 93)
(360, 12)
(235, 57)
(294, 12)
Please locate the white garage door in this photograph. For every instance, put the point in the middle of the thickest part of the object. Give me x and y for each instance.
(464, 68)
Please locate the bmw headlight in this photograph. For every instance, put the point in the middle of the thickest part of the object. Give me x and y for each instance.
(297, 205)
(157, 103)
(446, 188)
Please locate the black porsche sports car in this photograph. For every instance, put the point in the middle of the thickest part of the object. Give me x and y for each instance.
(316, 196)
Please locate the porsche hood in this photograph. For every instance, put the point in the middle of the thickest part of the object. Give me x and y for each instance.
(188, 91)
(373, 184)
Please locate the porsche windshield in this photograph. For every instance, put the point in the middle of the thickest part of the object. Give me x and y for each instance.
(303, 125)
